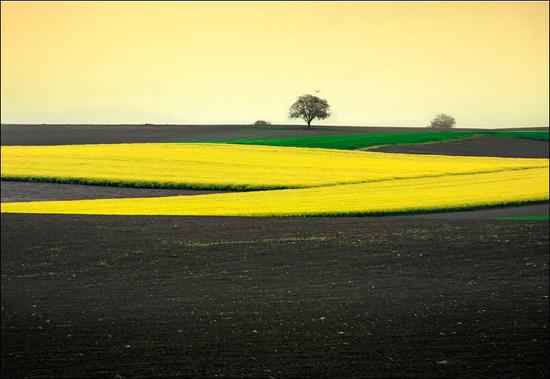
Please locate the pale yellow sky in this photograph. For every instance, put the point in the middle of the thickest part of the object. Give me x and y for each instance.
(387, 63)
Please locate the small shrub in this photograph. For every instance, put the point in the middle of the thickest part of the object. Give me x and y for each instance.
(261, 123)
(442, 121)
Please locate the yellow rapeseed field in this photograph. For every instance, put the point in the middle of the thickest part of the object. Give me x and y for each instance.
(402, 195)
(240, 167)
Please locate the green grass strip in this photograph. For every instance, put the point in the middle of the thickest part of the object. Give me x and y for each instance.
(534, 135)
(526, 218)
(356, 141)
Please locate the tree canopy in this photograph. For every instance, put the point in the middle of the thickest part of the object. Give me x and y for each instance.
(309, 108)
(442, 121)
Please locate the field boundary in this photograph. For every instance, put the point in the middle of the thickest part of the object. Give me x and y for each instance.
(371, 141)
(234, 188)
(380, 214)
(364, 199)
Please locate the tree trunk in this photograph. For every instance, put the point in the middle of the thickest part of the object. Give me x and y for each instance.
(309, 124)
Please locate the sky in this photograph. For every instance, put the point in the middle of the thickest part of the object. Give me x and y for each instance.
(376, 63)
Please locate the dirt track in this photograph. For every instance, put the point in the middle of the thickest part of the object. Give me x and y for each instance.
(328, 297)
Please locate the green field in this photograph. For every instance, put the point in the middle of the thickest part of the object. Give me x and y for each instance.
(356, 141)
(526, 218)
(536, 135)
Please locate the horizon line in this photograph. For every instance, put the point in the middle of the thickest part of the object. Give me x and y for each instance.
(250, 124)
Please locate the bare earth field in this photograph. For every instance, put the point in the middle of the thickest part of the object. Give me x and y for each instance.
(439, 295)
(477, 146)
(80, 134)
(319, 297)
(35, 191)
(83, 134)
(541, 209)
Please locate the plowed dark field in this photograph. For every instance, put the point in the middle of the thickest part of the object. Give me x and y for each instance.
(477, 146)
(35, 191)
(81, 134)
(84, 134)
(443, 295)
(91, 296)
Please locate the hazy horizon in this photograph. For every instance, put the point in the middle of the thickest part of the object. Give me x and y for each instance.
(380, 64)
(303, 125)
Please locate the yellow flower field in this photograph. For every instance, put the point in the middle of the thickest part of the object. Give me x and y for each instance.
(301, 181)
(240, 167)
(404, 195)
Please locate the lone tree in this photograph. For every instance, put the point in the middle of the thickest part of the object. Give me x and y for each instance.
(309, 108)
(442, 121)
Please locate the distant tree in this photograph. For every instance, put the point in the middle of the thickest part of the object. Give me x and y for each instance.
(309, 108)
(261, 123)
(442, 121)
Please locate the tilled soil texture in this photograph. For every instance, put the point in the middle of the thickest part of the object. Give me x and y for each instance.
(32, 191)
(477, 146)
(89, 134)
(284, 297)
(539, 209)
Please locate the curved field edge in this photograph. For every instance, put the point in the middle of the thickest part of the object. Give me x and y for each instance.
(143, 183)
(357, 141)
(231, 167)
(468, 208)
(237, 188)
(447, 193)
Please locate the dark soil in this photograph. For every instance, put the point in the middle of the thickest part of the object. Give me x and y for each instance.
(540, 209)
(100, 296)
(477, 146)
(87, 134)
(93, 296)
(32, 191)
